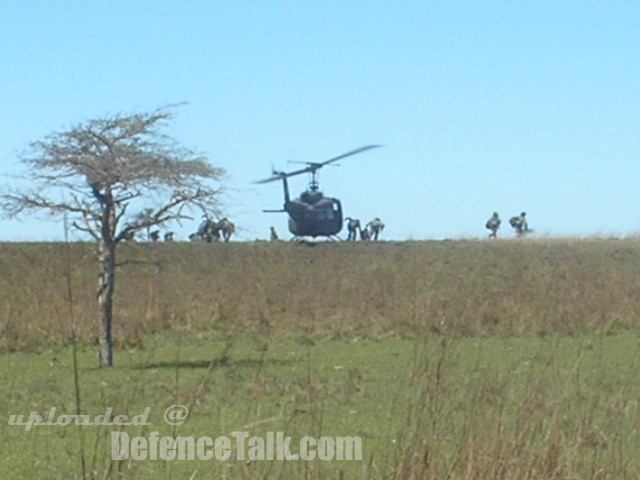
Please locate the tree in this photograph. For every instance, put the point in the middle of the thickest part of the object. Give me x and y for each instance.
(116, 175)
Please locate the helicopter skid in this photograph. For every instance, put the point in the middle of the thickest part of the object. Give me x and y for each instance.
(315, 240)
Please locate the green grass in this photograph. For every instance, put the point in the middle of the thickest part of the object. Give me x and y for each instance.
(520, 407)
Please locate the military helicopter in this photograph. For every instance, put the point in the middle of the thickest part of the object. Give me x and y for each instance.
(312, 214)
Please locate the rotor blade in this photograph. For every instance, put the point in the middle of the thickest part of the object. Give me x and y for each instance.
(316, 165)
(310, 168)
(281, 175)
(348, 154)
(273, 178)
(313, 166)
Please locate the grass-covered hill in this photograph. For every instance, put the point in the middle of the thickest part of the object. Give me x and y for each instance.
(405, 289)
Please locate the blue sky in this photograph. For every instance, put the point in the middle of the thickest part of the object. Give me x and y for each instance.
(482, 105)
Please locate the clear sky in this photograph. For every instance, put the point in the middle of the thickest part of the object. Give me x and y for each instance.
(482, 105)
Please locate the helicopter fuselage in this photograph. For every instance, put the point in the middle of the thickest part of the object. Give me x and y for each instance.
(314, 215)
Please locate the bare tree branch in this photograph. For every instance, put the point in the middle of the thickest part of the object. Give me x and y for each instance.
(116, 175)
(88, 229)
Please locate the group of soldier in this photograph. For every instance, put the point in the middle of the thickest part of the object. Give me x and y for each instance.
(518, 222)
(211, 231)
(154, 236)
(371, 230)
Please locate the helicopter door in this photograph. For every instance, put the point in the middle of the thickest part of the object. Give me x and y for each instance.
(334, 218)
(338, 212)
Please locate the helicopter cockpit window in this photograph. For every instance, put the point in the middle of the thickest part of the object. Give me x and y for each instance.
(326, 213)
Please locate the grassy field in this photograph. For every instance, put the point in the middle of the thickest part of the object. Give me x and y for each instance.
(454, 359)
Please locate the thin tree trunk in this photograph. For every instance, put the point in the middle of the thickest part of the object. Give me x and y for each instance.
(106, 288)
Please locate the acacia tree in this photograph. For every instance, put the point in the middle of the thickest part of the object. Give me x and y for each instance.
(117, 175)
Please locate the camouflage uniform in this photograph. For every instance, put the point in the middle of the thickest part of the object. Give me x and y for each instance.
(208, 231)
(375, 226)
(353, 225)
(520, 223)
(493, 224)
(227, 228)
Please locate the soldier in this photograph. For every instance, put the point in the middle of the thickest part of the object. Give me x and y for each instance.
(130, 236)
(227, 228)
(155, 236)
(375, 226)
(353, 225)
(168, 237)
(493, 224)
(208, 230)
(520, 223)
(274, 235)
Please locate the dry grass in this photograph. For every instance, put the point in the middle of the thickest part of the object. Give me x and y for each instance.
(327, 290)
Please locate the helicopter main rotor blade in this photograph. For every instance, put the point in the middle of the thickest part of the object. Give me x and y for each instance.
(276, 176)
(281, 175)
(313, 166)
(344, 155)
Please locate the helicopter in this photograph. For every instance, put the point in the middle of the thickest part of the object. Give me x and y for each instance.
(312, 214)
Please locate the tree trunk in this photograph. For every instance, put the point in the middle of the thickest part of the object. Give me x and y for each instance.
(106, 287)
